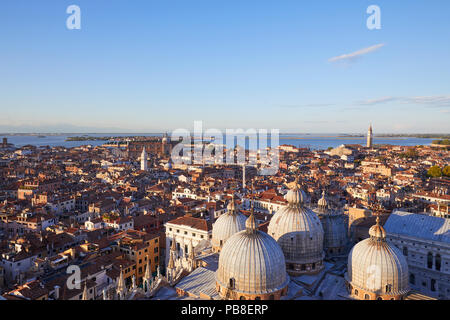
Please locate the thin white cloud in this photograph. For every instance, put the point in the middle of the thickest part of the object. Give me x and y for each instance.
(428, 101)
(434, 101)
(312, 105)
(377, 101)
(354, 55)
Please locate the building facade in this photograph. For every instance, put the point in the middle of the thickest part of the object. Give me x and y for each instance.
(184, 230)
(425, 242)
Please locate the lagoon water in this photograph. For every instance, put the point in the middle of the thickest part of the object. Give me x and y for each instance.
(313, 141)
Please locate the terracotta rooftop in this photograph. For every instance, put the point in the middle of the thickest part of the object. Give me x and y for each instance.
(195, 223)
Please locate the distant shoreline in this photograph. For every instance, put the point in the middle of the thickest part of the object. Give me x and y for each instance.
(88, 136)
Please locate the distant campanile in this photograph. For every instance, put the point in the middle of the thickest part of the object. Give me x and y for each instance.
(369, 137)
(144, 160)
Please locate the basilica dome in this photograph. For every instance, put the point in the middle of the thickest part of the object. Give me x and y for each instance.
(227, 225)
(334, 227)
(251, 266)
(299, 233)
(377, 269)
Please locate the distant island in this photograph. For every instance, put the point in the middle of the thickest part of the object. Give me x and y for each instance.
(401, 135)
(88, 138)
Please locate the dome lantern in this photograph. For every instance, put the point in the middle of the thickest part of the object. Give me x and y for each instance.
(251, 224)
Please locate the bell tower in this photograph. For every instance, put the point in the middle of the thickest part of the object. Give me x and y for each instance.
(369, 137)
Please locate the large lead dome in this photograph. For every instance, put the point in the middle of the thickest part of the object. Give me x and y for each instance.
(251, 266)
(299, 233)
(377, 269)
(227, 225)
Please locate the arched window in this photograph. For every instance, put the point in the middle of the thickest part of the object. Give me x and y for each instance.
(232, 282)
(367, 297)
(388, 288)
(430, 260)
(433, 285)
(437, 262)
(242, 298)
(405, 251)
(379, 298)
(258, 298)
(356, 292)
(412, 278)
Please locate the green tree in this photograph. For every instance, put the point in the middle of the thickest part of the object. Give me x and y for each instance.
(434, 172)
(446, 171)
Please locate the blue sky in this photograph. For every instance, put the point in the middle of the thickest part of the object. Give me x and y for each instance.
(156, 65)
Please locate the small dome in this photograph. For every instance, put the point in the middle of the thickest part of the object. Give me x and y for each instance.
(376, 268)
(334, 228)
(295, 195)
(227, 225)
(251, 263)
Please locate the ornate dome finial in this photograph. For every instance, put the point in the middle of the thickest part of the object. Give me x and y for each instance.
(377, 232)
(323, 203)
